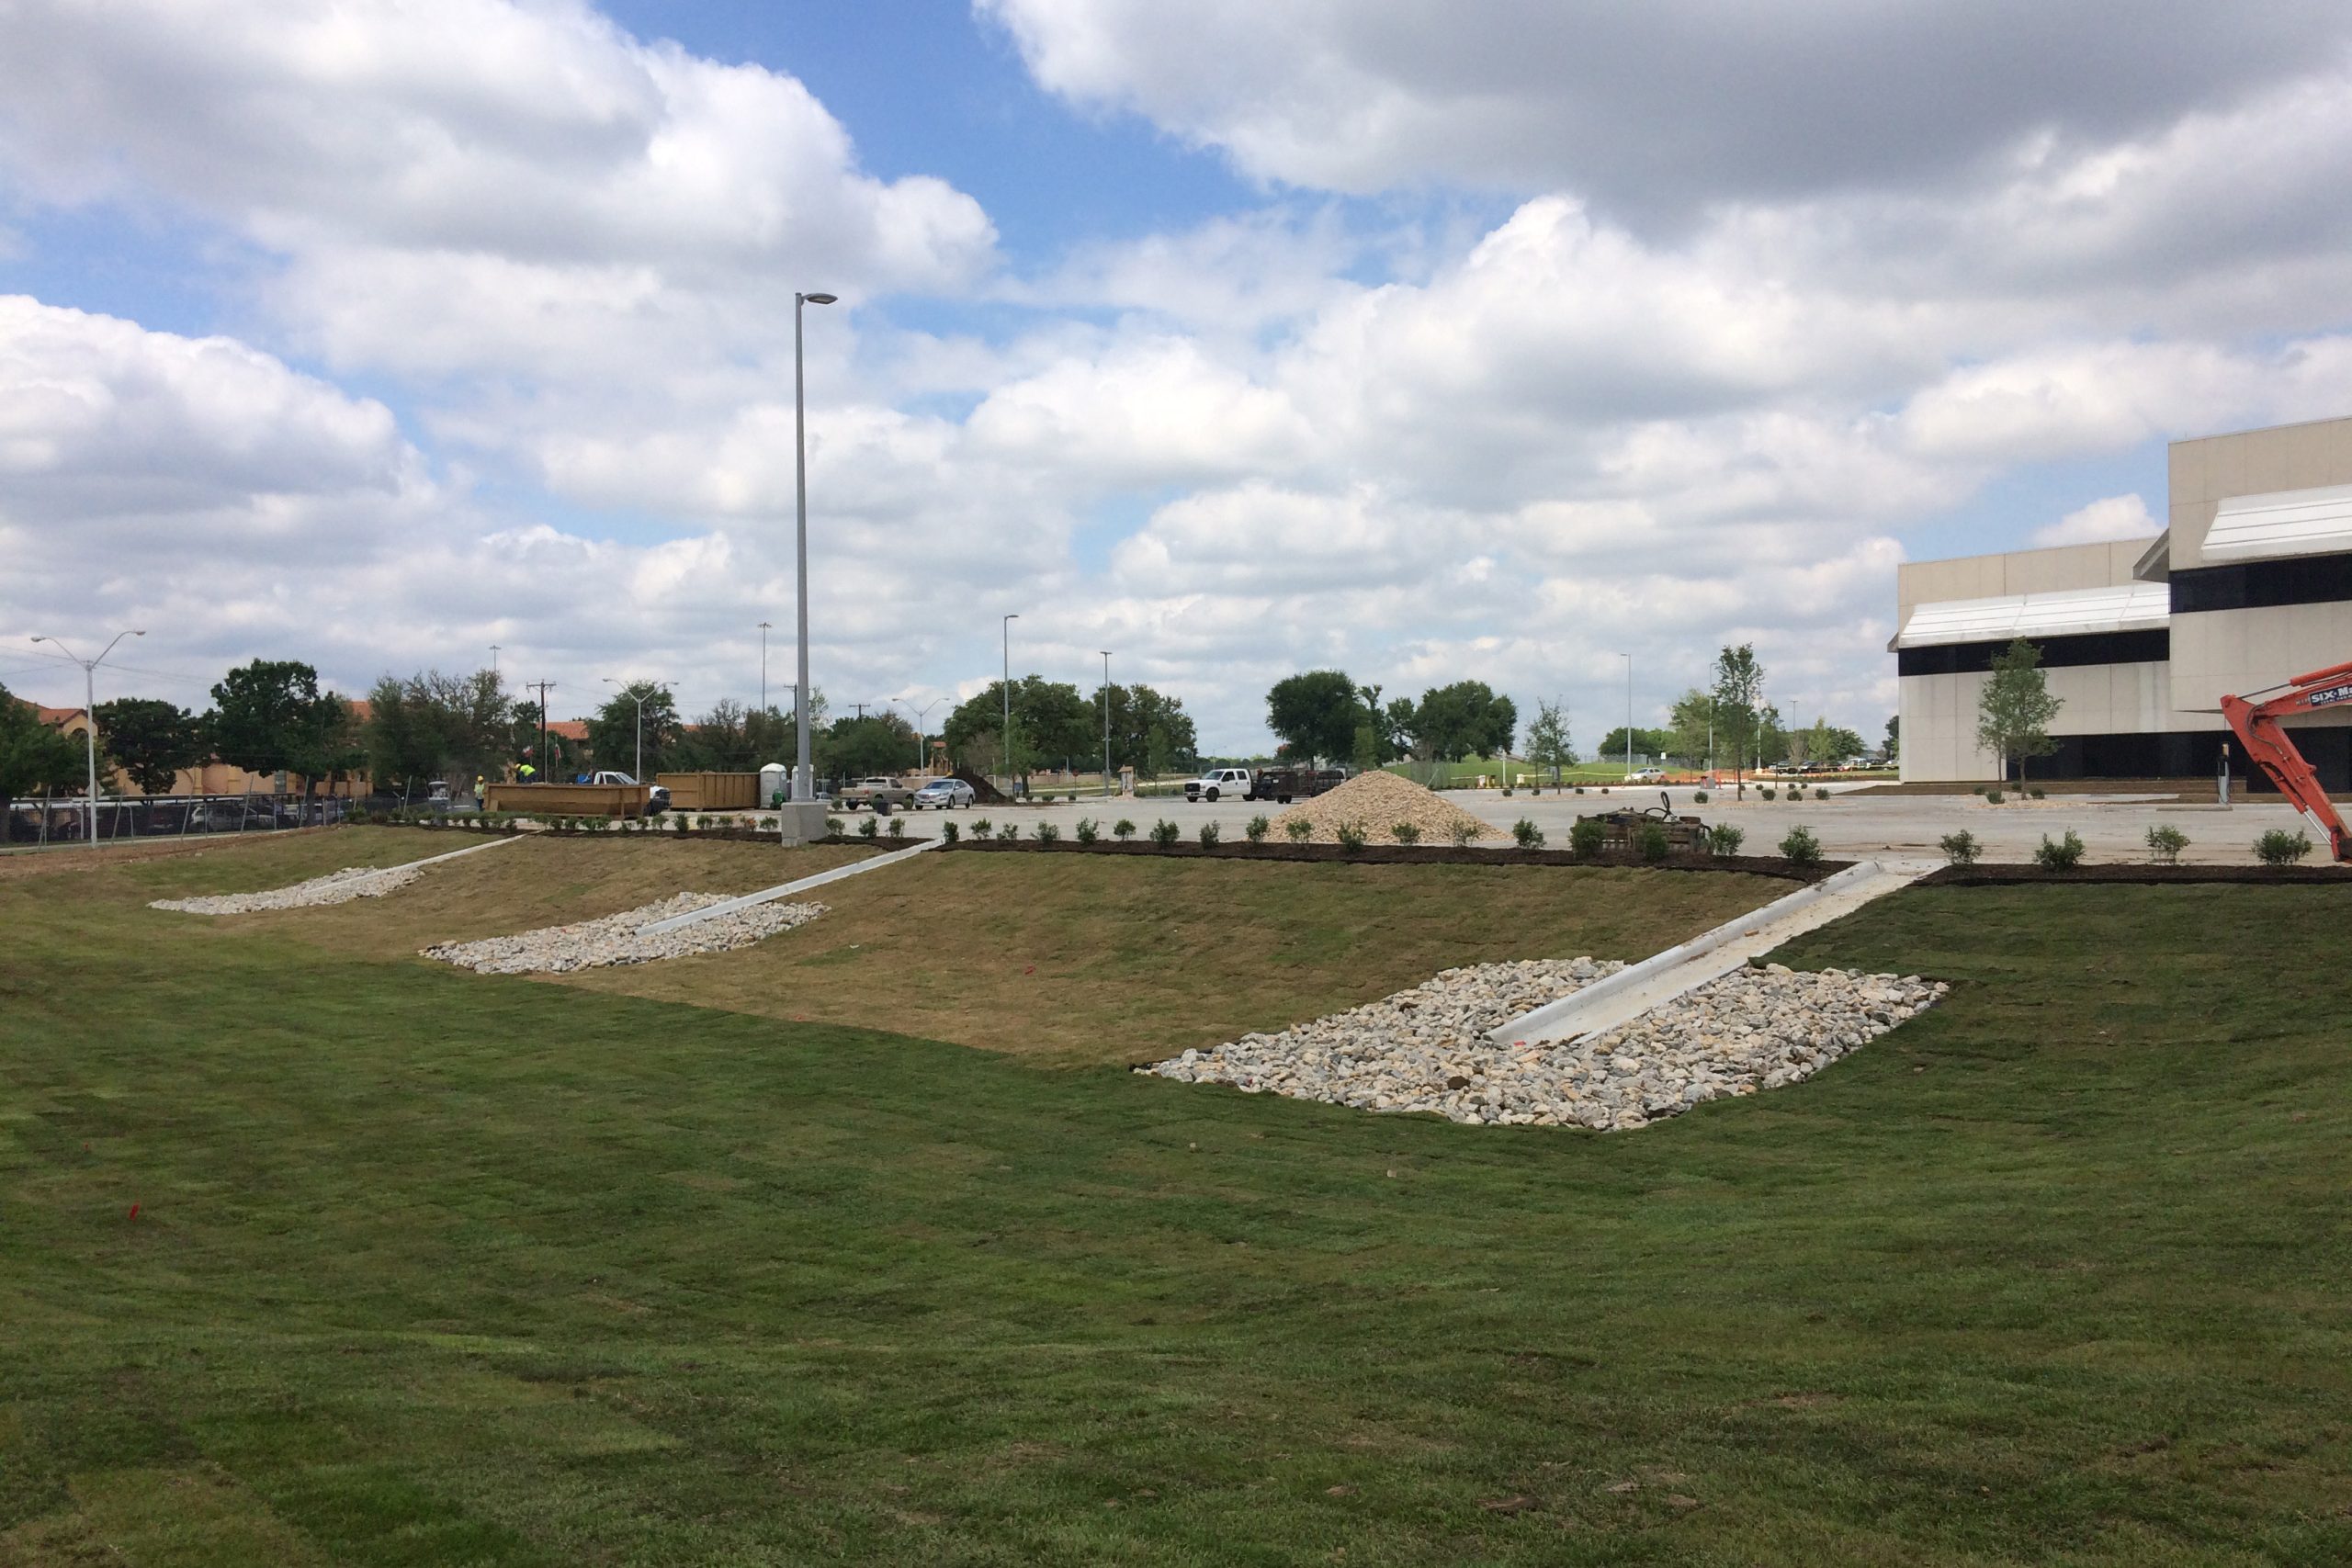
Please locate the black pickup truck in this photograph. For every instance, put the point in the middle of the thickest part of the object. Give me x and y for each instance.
(1280, 784)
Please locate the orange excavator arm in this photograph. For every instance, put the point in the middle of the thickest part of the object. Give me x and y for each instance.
(2267, 741)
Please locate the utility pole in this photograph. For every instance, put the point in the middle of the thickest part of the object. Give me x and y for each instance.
(764, 667)
(544, 687)
(1628, 713)
(1106, 721)
(90, 719)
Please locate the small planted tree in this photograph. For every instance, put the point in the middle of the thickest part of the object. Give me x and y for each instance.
(2165, 844)
(1723, 838)
(1587, 838)
(1122, 830)
(1801, 848)
(1256, 831)
(1527, 835)
(1299, 830)
(2279, 847)
(2059, 854)
(1165, 833)
(1651, 841)
(1088, 831)
(1405, 833)
(1461, 832)
(1007, 832)
(949, 833)
(1048, 834)
(1352, 836)
(2015, 709)
(1209, 835)
(1961, 848)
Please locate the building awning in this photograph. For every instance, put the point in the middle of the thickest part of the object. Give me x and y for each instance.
(2284, 522)
(2131, 607)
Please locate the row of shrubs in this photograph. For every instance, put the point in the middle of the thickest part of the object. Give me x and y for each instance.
(1587, 840)
(2275, 847)
(1994, 796)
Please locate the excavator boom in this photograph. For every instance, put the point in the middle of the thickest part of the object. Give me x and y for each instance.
(2267, 741)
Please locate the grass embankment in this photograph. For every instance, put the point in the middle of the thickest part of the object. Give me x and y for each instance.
(1063, 959)
(433, 1267)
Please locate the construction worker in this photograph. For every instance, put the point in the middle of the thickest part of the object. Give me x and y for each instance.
(526, 772)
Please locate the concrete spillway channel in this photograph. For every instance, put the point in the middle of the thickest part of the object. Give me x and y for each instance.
(1611, 1003)
(768, 895)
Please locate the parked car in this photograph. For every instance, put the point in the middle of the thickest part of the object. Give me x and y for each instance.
(882, 794)
(1646, 776)
(656, 797)
(942, 795)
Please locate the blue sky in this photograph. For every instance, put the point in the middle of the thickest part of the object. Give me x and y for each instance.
(1238, 341)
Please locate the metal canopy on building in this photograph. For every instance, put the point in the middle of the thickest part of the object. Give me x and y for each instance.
(2284, 522)
(2131, 607)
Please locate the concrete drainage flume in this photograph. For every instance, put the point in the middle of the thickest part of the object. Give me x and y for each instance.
(768, 895)
(1591, 1043)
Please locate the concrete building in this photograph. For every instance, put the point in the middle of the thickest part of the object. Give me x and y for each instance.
(2249, 585)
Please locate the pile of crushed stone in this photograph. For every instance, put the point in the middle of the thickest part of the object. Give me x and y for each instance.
(617, 939)
(1378, 803)
(335, 887)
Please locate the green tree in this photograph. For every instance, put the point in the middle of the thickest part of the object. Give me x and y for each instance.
(1894, 738)
(1315, 715)
(613, 734)
(1051, 723)
(149, 740)
(270, 716)
(1691, 726)
(2015, 709)
(433, 726)
(37, 758)
(1135, 711)
(1646, 743)
(1547, 737)
(1463, 719)
(878, 743)
(1396, 722)
(1739, 701)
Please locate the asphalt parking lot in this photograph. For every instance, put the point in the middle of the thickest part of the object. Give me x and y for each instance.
(1851, 822)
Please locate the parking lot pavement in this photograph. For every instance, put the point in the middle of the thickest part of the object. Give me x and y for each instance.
(1848, 824)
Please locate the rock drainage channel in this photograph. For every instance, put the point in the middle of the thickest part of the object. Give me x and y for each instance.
(1426, 1049)
(623, 939)
(335, 887)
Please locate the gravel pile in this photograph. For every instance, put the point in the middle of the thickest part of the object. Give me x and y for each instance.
(592, 944)
(1378, 802)
(335, 887)
(1426, 1049)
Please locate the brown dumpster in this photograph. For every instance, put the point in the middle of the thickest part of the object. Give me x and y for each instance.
(569, 799)
(711, 792)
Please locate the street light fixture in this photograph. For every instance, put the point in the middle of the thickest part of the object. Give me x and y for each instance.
(1006, 734)
(90, 717)
(923, 757)
(633, 694)
(803, 782)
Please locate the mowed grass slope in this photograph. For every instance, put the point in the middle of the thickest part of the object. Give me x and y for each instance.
(1062, 959)
(438, 1269)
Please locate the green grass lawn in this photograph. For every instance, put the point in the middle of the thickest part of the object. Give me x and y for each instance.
(436, 1268)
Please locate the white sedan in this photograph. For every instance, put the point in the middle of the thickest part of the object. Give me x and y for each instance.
(945, 795)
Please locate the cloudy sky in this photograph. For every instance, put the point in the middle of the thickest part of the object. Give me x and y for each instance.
(1432, 341)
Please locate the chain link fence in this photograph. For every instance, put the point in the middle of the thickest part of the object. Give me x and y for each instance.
(66, 821)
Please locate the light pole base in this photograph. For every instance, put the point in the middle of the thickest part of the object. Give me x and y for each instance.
(803, 823)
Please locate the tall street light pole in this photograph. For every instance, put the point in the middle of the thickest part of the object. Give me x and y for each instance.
(764, 667)
(90, 717)
(803, 781)
(923, 757)
(633, 694)
(1628, 713)
(1106, 721)
(493, 658)
(1007, 733)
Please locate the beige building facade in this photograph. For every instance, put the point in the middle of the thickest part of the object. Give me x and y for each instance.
(2249, 585)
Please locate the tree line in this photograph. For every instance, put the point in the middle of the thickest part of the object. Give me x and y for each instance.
(1324, 715)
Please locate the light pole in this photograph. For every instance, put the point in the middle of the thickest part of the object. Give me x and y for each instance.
(493, 658)
(1106, 722)
(1629, 712)
(803, 785)
(763, 666)
(90, 717)
(633, 694)
(923, 757)
(1006, 734)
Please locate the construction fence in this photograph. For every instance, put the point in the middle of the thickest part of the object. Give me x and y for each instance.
(66, 821)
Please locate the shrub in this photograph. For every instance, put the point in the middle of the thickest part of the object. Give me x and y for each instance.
(1723, 838)
(1587, 838)
(1406, 833)
(1768, 792)
(1528, 835)
(2040, 793)
(2165, 844)
(1462, 834)
(1299, 831)
(1122, 830)
(1579, 789)
(1071, 798)
(1651, 841)
(982, 828)
(1163, 833)
(1698, 797)
(1993, 798)
(949, 833)
(1256, 831)
(897, 827)
(1801, 848)
(1048, 834)
(594, 824)
(1351, 835)
(1007, 832)
(2279, 847)
(1209, 835)
(832, 827)
(1961, 848)
(1821, 793)
(869, 828)
(1088, 831)
(2064, 855)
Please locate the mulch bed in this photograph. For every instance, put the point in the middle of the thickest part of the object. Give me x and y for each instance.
(1400, 854)
(2002, 876)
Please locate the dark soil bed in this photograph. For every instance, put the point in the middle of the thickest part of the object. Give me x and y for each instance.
(1989, 875)
(1418, 854)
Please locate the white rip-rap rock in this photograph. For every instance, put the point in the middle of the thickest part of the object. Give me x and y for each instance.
(621, 939)
(1426, 1049)
(335, 887)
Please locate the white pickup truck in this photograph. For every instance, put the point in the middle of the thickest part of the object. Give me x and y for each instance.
(657, 795)
(1217, 783)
